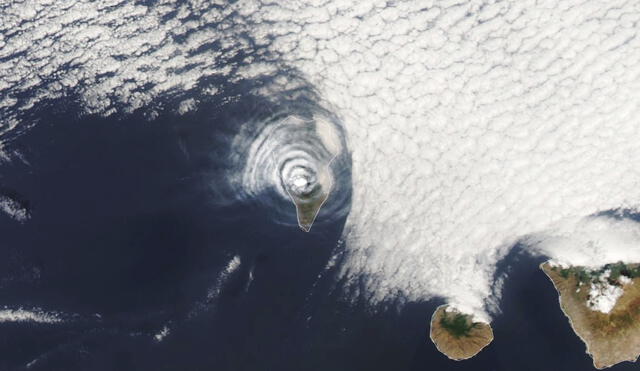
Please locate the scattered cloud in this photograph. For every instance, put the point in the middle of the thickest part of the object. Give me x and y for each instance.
(29, 315)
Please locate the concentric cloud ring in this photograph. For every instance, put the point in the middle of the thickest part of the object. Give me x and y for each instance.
(291, 162)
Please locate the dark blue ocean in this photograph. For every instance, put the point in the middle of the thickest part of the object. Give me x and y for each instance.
(124, 240)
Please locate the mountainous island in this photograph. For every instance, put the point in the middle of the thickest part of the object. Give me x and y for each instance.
(603, 307)
(456, 335)
(308, 205)
(309, 190)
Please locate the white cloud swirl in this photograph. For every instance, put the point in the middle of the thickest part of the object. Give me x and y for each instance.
(290, 156)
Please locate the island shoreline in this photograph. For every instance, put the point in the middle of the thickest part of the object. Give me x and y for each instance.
(575, 331)
(435, 312)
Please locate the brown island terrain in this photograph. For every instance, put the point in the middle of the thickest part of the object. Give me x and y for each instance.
(456, 335)
(307, 208)
(611, 337)
(309, 202)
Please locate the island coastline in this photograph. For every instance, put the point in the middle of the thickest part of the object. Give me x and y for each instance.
(462, 344)
(591, 348)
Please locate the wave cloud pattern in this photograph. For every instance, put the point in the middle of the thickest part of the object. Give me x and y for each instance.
(289, 159)
(471, 124)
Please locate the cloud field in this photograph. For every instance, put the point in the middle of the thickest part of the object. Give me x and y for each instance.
(472, 125)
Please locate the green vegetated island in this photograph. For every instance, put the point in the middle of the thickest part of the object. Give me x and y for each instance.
(456, 335)
(603, 307)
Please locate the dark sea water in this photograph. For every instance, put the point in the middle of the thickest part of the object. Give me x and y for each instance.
(124, 240)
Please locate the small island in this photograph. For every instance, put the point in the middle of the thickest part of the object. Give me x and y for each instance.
(456, 335)
(603, 307)
(308, 191)
(307, 208)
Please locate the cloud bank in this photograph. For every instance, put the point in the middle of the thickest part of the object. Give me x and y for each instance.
(590, 242)
(472, 124)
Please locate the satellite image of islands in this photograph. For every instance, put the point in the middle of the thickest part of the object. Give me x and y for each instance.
(319, 185)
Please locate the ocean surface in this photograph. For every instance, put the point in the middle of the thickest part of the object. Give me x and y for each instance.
(126, 247)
